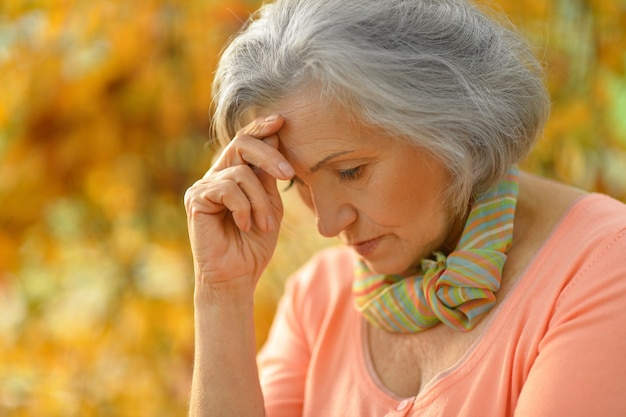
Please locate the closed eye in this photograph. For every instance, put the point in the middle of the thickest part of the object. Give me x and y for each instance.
(351, 174)
(344, 175)
(292, 182)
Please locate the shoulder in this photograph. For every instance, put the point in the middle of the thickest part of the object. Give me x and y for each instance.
(585, 219)
(591, 239)
(598, 212)
(577, 236)
(560, 224)
(546, 208)
(576, 289)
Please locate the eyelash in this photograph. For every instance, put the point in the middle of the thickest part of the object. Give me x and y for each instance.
(344, 175)
(351, 174)
(292, 182)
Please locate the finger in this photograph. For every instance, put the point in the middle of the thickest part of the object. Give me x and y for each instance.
(264, 126)
(264, 154)
(211, 199)
(257, 145)
(237, 180)
(256, 185)
(268, 183)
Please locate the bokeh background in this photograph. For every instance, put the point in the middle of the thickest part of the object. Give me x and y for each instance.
(104, 114)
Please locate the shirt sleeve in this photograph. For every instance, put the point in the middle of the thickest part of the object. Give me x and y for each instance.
(580, 368)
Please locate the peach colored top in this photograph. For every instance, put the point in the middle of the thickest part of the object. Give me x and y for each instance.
(556, 346)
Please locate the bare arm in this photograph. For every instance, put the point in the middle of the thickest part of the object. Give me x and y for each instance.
(233, 215)
(225, 374)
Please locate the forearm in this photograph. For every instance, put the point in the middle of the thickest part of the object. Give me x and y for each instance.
(225, 380)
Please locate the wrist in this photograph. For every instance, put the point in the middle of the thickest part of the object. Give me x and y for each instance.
(232, 292)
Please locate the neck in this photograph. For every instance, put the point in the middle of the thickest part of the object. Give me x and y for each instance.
(455, 232)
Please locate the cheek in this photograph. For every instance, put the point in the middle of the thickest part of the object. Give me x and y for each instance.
(407, 203)
(386, 204)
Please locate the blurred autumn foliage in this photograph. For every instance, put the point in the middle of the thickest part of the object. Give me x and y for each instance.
(103, 125)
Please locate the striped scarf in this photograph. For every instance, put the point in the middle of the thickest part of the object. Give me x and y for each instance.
(456, 290)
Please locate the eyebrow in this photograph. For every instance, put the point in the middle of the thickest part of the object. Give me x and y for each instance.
(326, 159)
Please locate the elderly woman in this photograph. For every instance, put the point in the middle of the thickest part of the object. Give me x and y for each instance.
(465, 287)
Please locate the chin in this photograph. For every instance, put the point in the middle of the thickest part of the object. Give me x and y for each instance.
(390, 266)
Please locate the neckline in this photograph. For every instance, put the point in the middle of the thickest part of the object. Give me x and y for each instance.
(487, 334)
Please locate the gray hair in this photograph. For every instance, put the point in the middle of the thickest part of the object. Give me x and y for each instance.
(440, 73)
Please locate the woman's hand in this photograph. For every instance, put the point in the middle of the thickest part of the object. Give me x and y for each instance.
(235, 210)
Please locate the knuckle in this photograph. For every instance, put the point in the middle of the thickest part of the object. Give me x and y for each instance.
(240, 138)
(190, 194)
(239, 171)
(196, 192)
(187, 198)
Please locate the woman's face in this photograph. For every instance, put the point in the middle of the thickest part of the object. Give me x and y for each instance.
(380, 195)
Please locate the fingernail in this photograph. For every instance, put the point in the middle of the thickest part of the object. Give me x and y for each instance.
(271, 117)
(286, 169)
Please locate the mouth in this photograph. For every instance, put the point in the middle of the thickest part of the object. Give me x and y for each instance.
(366, 247)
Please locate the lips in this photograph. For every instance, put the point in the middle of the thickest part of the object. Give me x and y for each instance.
(366, 247)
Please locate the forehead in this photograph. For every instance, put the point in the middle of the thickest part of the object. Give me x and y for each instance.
(312, 111)
(316, 127)
(312, 121)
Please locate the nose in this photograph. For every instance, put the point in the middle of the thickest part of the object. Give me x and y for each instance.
(333, 213)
